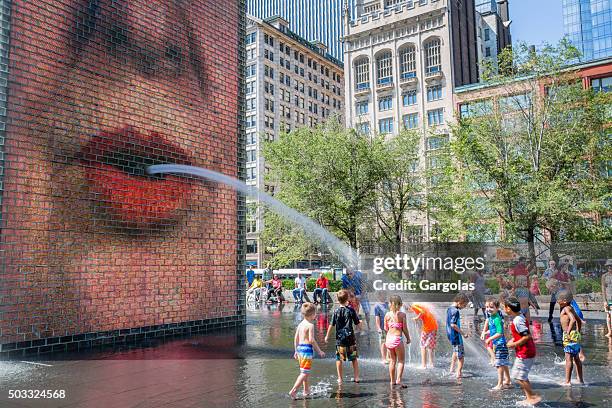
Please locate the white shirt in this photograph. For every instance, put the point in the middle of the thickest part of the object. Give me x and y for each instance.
(299, 283)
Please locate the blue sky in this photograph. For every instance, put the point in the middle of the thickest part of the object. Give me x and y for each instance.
(536, 21)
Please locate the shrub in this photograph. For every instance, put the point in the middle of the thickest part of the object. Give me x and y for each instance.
(493, 285)
(588, 285)
(310, 284)
(335, 286)
(288, 284)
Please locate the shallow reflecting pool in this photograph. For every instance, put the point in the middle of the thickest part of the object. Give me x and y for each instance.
(254, 368)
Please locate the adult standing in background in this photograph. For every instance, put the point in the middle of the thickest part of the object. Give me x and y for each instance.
(267, 276)
(250, 275)
(521, 285)
(559, 281)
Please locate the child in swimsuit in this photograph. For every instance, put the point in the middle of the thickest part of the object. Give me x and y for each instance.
(571, 324)
(395, 325)
(305, 344)
(428, 334)
(495, 328)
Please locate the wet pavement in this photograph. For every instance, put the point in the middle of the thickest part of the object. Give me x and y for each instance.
(254, 368)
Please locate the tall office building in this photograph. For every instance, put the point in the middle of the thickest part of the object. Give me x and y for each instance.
(588, 25)
(404, 58)
(290, 83)
(312, 19)
(493, 24)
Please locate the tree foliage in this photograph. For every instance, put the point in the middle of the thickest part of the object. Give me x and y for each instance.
(398, 190)
(534, 153)
(328, 173)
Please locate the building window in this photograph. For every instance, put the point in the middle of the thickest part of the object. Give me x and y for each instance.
(385, 103)
(269, 122)
(269, 104)
(487, 34)
(408, 62)
(251, 246)
(251, 138)
(251, 156)
(251, 70)
(250, 121)
(390, 3)
(435, 117)
(361, 107)
(250, 39)
(436, 142)
(364, 128)
(434, 93)
(384, 68)
(269, 72)
(362, 74)
(385, 126)
(414, 234)
(251, 218)
(602, 84)
(411, 120)
(250, 103)
(432, 56)
(269, 88)
(487, 51)
(269, 55)
(477, 108)
(409, 98)
(250, 87)
(251, 173)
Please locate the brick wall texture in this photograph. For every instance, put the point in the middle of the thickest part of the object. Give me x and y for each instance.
(96, 91)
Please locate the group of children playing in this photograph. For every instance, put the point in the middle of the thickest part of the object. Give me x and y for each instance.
(392, 327)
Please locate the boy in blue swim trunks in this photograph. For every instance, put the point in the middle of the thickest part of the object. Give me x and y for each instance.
(495, 326)
(571, 324)
(305, 345)
(455, 334)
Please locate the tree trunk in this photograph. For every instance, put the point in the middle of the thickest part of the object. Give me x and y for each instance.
(553, 247)
(531, 245)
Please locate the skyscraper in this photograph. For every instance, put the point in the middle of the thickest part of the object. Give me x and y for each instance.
(311, 19)
(290, 83)
(588, 25)
(403, 60)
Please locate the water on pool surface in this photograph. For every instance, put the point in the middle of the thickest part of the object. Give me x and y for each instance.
(272, 328)
(254, 368)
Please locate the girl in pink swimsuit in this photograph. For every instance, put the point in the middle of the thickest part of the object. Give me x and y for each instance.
(395, 325)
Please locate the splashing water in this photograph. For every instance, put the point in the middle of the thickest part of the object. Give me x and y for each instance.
(347, 253)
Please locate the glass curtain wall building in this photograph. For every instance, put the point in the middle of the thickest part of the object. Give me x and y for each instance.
(320, 20)
(588, 25)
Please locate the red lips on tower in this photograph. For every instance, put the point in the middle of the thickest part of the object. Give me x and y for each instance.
(116, 163)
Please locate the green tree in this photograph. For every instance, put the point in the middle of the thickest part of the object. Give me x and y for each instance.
(530, 154)
(328, 173)
(284, 241)
(399, 188)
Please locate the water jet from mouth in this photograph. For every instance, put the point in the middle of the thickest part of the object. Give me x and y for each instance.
(312, 228)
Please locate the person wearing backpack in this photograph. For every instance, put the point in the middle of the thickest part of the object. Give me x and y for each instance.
(346, 344)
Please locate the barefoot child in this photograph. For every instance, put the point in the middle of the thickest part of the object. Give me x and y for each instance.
(606, 289)
(495, 327)
(455, 334)
(428, 334)
(571, 324)
(380, 310)
(346, 344)
(525, 350)
(304, 343)
(395, 325)
(485, 335)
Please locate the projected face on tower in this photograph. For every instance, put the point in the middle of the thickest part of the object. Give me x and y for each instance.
(100, 89)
